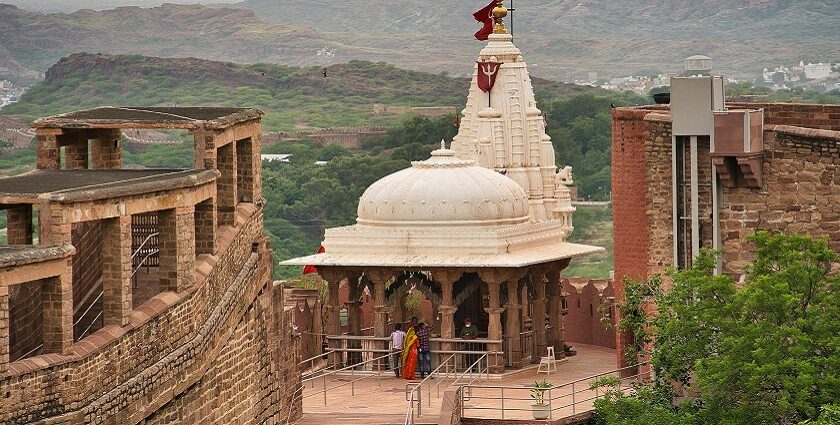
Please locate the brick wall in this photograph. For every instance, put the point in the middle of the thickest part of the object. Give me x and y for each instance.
(658, 198)
(25, 318)
(240, 386)
(826, 117)
(587, 305)
(800, 195)
(19, 225)
(628, 183)
(124, 374)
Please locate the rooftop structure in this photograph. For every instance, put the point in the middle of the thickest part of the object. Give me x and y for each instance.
(485, 220)
(126, 295)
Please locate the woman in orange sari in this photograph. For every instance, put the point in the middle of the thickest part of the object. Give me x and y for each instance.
(409, 354)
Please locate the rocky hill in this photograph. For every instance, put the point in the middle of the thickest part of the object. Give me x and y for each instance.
(560, 38)
(745, 19)
(290, 95)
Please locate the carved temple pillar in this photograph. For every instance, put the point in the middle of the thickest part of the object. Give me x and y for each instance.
(512, 325)
(447, 309)
(333, 278)
(538, 315)
(494, 279)
(555, 309)
(380, 311)
(354, 314)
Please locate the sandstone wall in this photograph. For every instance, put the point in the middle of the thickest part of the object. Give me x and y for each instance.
(589, 304)
(175, 345)
(800, 195)
(25, 319)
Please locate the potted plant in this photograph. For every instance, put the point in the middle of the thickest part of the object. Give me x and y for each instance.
(539, 408)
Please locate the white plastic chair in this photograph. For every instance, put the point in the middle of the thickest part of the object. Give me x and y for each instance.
(548, 361)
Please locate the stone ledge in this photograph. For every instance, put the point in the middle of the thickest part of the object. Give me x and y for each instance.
(811, 133)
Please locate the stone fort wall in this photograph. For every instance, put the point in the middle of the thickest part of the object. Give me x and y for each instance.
(204, 353)
(801, 172)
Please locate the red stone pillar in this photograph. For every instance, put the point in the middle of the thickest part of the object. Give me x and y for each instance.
(116, 270)
(205, 227)
(538, 316)
(57, 293)
(333, 277)
(512, 325)
(555, 310)
(19, 225)
(177, 248)
(106, 149)
(380, 311)
(226, 197)
(47, 154)
(494, 328)
(4, 327)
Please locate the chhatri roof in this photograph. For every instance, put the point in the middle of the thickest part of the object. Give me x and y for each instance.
(494, 200)
(445, 212)
(443, 191)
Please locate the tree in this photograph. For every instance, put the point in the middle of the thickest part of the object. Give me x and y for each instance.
(766, 352)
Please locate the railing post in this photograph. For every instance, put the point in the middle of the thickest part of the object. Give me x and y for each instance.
(503, 402)
(419, 400)
(573, 398)
(549, 403)
(325, 389)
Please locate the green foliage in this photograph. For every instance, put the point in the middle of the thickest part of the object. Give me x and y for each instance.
(538, 391)
(580, 131)
(796, 94)
(593, 226)
(634, 321)
(763, 353)
(412, 306)
(18, 160)
(646, 405)
(829, 415)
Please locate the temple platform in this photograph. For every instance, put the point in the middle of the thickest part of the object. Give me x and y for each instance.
(384, 402)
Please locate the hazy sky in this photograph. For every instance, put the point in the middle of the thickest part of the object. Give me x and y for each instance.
(73, 5)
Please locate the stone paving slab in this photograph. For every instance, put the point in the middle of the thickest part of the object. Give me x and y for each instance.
(383, 401)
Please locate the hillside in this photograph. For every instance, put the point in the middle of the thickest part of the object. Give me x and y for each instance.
(559, 38)
(745, 19)
(290, 95)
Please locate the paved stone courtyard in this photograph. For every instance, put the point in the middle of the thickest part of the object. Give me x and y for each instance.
(383, 401)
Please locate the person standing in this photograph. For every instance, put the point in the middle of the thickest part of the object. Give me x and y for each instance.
(409, 353)
(469, 332)
(397, 338)
(424, 349)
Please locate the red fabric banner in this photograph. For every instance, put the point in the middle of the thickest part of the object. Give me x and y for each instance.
(309, 269)
(485, 16)
(487, 72)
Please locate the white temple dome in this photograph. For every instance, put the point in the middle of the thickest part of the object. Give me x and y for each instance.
(444, 191)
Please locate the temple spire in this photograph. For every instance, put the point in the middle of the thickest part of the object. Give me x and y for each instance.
(499, 13)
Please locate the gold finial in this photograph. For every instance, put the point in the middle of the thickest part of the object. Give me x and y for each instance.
(499, 13)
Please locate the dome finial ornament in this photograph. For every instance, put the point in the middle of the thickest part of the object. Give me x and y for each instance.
(442, 144)
(499, 13)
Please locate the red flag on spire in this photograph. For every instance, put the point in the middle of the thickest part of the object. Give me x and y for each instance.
(485, 16)
(309, 269)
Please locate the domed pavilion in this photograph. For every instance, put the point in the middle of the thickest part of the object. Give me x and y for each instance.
(479, 228)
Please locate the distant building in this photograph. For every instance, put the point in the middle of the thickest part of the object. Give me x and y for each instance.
(698, 64)
(816, 71)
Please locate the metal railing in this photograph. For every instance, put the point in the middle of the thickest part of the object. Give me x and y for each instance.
(148, 253)
(414, 393)
(553, 395)
(351, 382)
(79, 320)
(135, 268)
(29, 353)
